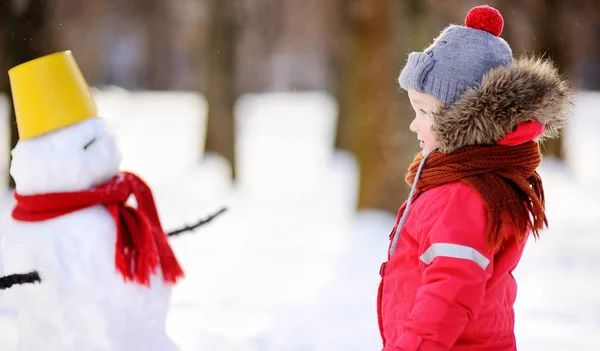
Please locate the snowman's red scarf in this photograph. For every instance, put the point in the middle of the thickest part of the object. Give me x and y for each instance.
(141, 242)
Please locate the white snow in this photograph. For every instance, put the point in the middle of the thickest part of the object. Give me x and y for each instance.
(291, 267)
(151, 126)
(582, 151)
(294, 131)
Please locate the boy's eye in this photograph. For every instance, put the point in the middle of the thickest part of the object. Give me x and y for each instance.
(423, 111)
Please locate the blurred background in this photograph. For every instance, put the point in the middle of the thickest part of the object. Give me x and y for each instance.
(289, 113)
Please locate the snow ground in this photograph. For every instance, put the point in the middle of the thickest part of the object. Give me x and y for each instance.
(291, 266)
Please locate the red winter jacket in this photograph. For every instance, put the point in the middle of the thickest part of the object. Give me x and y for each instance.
(442, 289)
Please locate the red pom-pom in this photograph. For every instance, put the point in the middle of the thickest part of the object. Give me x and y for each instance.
(486, 18)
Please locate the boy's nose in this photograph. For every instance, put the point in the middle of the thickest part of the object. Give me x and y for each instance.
(413, 126)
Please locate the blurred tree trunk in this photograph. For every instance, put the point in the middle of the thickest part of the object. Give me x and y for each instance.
(156, 18)
(584, 17)
(370, 124)
(24, 38)
(549, 34)
(220, 78)
(344, 75)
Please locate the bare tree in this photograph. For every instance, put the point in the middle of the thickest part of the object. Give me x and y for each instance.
(374, 118)
(548, 40)
(24, 38)
(343, 70)
(220, 78)
(157, 23)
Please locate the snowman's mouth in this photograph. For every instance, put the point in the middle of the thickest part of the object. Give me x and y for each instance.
(7, 281)
(89, 143)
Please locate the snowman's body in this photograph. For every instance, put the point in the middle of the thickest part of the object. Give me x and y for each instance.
(83, 302)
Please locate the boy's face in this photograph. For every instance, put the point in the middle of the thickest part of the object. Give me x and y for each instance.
(423, 105)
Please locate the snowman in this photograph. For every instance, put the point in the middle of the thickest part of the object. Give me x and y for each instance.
(88, 234)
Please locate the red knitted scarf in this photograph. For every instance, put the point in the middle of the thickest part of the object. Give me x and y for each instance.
(141, 242)
(504, 176)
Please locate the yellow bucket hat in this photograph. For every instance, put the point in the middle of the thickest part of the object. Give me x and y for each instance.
(49, 93)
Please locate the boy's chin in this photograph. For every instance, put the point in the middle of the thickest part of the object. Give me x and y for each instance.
(426, 151)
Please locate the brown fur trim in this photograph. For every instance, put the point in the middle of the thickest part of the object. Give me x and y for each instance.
(527, 88)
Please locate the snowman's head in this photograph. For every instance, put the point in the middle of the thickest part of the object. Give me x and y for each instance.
(72, 158)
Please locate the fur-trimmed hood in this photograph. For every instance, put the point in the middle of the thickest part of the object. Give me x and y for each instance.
(526, 89)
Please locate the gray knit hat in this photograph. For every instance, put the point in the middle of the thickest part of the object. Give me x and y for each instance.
(459, 57)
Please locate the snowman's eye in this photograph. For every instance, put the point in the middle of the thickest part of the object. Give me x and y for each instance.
(89, 143)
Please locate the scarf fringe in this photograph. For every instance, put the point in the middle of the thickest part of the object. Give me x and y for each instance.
(171, 270)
